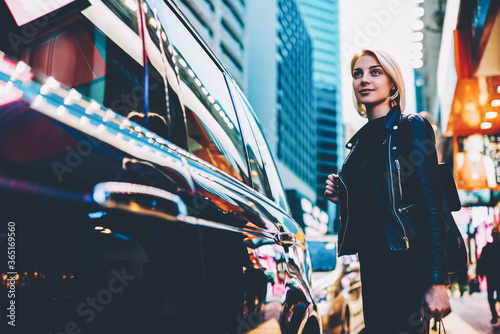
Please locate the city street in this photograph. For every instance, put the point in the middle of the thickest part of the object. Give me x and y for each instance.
(470, 315)
(249, 166)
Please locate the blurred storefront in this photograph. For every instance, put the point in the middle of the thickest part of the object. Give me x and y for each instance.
(469, 113)
(476, 99)
(472, 117)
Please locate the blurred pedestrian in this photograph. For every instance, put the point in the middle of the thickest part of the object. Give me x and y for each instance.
(392, 206)
(489, 265)
(459, 280)
(475, 169)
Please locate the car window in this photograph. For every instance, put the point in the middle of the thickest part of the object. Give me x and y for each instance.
(257, 169)
(98, 52)
(166, 114)
(272, 175)
(213, 131)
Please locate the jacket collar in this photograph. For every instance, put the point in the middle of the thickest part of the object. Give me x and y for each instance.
(392, 125)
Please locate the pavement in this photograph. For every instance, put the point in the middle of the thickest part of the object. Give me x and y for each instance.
(470, 315)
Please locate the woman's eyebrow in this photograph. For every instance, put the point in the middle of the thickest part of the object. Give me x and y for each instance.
(371, 67)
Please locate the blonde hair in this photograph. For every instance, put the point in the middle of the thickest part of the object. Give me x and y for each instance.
(393, 71)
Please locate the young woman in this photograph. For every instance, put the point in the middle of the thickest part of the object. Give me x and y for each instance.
(392, 206)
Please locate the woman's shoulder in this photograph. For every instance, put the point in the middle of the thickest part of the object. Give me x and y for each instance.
(415, 118)
(417, 122)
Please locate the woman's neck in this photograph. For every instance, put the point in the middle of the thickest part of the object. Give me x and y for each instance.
(374, 114)
(378, 110)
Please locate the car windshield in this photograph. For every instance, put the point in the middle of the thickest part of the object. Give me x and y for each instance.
(323, 255)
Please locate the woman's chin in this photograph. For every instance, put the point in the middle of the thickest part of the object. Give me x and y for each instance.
(371, 104)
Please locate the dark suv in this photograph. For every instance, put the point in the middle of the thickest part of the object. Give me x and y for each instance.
(137, 192)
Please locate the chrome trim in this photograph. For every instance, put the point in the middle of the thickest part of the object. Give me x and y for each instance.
(103, 191)
(284, 239)
(257, 232)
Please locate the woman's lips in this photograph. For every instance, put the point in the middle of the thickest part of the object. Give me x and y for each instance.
(365, 91)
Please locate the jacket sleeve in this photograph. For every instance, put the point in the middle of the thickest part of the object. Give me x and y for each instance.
(430, 196)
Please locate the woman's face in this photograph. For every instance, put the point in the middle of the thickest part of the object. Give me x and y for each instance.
(372, 85)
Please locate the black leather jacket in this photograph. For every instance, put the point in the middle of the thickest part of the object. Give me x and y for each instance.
(413, 193)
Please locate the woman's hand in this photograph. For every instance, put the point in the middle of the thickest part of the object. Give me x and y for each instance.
(436, 301)
(332, 191)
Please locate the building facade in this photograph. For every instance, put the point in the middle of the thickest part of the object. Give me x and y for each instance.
(323, 19)
(427, 25)
(468, 85)
(280, 88)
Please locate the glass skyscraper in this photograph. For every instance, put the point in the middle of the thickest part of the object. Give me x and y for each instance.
(322, 16)
(280, 88)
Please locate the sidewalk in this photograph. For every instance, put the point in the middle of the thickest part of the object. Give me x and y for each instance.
(470, 315)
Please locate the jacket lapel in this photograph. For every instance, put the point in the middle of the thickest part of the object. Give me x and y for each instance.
(380, 142)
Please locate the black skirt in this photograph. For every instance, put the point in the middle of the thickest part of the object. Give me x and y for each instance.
(393, 286)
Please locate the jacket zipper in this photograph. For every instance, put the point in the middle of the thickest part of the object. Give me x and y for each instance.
(392, 192)
(400, 210)
(399, 180)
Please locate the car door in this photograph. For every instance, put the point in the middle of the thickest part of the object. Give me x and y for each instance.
(267, 182)
(94, 201)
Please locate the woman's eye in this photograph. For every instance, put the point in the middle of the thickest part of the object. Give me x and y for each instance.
(356, 74)
(376, 72)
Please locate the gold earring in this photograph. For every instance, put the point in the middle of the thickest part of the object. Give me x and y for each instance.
(393, 96)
